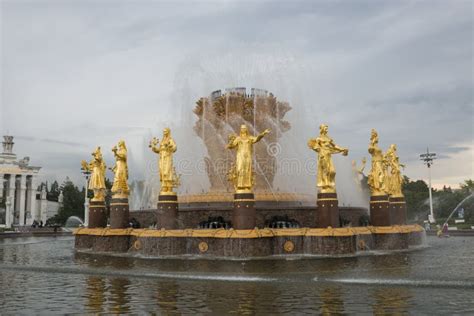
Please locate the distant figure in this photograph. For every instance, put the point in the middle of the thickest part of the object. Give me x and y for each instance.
(445, 228)
(41, 224)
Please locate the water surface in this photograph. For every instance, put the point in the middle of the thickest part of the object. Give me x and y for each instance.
(45, 275)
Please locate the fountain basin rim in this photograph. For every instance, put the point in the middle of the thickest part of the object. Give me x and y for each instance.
(251, 233)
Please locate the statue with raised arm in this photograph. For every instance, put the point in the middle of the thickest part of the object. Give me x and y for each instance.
(165, 149)
(242, 173)
(325, 147)
(395, 178)
(120, 187)
(377, 176)
(97, 169)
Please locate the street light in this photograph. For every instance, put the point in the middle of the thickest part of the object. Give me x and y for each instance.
(86, 174)
(428, 160)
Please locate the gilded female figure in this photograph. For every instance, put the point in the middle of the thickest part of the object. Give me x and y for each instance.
(97, 181)
(243, 170)
(377, 176)
(120, 187)
(395, 178)
(325, 147)
(165, 149)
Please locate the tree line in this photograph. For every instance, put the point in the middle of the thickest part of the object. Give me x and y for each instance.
(444, 200)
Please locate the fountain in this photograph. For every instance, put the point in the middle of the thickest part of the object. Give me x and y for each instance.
(258, 220)
(222, 114)
(73, 222)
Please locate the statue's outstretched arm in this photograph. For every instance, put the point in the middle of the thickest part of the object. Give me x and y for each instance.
(85, 165)
(338, 149)
(313, 144)
(260, 136)
(153, 145)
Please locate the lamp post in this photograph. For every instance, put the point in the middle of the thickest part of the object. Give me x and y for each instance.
(86, 174)
(428, 160)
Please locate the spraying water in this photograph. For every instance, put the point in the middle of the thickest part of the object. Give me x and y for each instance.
(293, 167)
(457, 206)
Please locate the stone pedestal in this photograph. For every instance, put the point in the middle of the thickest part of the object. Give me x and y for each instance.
(119, 213)
(97, 214)
(167, 216)
(244, 214)
(380, 211)
(398, 210)
(328, 210)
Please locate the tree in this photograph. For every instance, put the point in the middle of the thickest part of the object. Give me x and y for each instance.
(467, 186)
(416, 195)
(53, 193)
(73, 202)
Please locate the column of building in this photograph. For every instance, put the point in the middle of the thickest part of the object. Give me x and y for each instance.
(31, 200)
(10, 201)
(22, 202)
(2, 181)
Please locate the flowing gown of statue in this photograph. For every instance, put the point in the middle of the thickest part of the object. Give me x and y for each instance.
(376, 180)
(325, 147)
(243, 163)
(120, 185)
(395, 179)
(97, 180)
(166, 150)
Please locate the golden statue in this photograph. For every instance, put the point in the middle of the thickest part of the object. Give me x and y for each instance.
(377, 176)
(97, 169)
(165, 149)
(395, 178)
(120, 187)
(325, 147)
(242, 174)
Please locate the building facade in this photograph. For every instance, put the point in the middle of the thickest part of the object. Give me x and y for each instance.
(18, 186)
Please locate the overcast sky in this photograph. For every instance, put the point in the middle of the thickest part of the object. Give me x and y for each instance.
(77, 74)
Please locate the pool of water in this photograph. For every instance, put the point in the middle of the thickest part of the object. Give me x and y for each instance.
(45, 275)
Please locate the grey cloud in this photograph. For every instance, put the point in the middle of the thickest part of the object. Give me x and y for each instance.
(93, 73)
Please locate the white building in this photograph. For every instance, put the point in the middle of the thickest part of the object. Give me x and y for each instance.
(18, 190)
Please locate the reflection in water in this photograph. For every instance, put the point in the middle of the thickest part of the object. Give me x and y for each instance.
(391, 301)
(167, 297)
(45, 274)
(246, 299)
(119, 296)
(95, 291)
(331, 301)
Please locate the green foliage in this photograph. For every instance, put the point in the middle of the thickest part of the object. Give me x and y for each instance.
(416, 196)
(73, 202)
(53, 193)
(444, 201)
